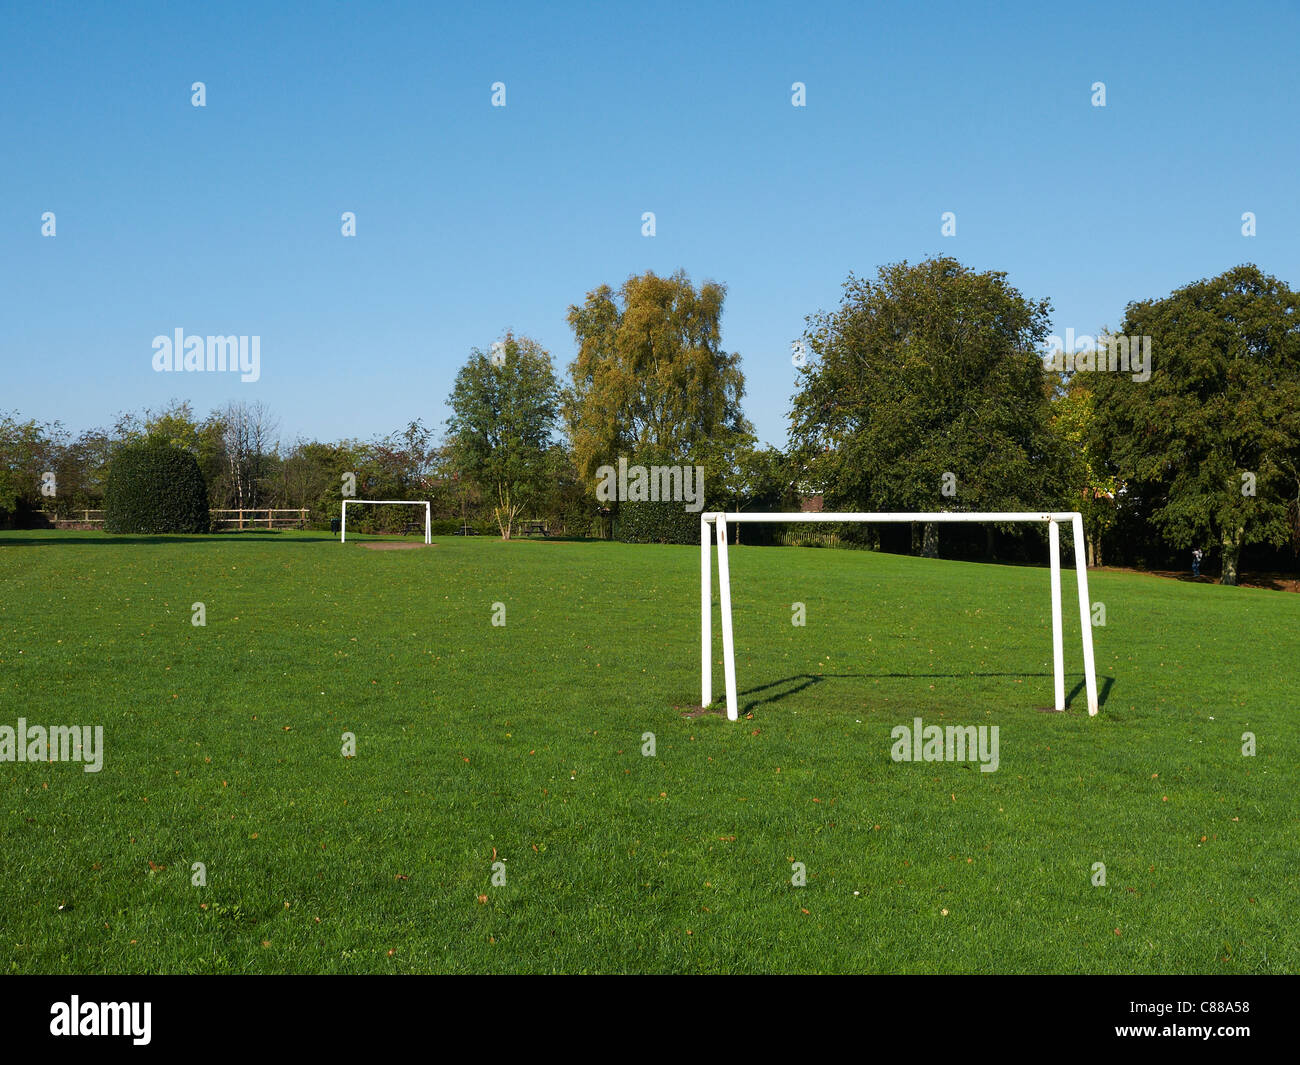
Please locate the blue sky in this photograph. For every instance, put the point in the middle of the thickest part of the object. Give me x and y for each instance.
(473, 219)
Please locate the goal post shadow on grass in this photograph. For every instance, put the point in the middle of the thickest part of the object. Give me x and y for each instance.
(748, 698)
(428, 537)
(714, 523)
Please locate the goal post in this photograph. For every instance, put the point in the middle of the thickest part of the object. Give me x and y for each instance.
(714, 524)
(428, 526)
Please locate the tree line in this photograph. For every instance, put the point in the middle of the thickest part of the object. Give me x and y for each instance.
(926, 388)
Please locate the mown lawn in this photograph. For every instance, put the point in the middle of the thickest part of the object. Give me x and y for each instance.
(522, 744)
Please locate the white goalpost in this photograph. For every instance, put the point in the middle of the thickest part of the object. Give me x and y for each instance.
(718, 523)
(428, 538)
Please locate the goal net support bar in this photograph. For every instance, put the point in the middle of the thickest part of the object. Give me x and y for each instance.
(718, 522)
(343, 528)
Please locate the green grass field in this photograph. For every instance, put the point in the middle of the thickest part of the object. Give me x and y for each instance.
(522, 744)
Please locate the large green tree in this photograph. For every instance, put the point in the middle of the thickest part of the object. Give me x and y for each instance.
(1211, 442)
(504, 409)
(651, 379)
(930, 370)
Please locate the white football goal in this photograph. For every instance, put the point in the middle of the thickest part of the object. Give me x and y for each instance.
(717, 523)
(428, 538)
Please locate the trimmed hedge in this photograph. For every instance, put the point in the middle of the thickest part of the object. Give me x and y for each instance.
(155, 488)
(656, 523)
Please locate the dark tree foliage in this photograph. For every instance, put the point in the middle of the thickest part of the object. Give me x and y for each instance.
(154, 487)
(1209, 448)
(927, 391)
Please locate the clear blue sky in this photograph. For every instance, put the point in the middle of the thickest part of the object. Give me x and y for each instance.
(473, 219)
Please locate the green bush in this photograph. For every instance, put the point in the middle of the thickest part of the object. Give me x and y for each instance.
(656, 523)
(155, 488)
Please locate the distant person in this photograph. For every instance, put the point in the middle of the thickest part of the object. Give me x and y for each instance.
(1196, 562)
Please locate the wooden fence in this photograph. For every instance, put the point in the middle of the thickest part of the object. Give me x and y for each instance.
(85, 521)
(223, 520)
(261, 518)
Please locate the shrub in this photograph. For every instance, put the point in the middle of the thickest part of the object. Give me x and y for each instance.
(154, 487)
(656, 523)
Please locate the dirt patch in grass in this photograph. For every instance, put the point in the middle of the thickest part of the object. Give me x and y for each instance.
(693, 712)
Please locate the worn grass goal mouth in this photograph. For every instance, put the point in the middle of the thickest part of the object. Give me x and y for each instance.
(714, 524)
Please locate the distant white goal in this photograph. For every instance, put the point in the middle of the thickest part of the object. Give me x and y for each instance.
(428, 538)
(718, 523)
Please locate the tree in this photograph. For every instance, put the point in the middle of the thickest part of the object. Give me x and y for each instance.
(1092, 490)
(761, 478)
(926, 391)
(311, 477)
(504, 409)
(247, 435)
(82, 467)
(404, 459)
(651, 378)
(27, 452)
(1211, 442)
(568, 502)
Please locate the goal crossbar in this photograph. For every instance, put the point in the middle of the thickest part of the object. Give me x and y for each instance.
(428, 528)
(714, 524)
